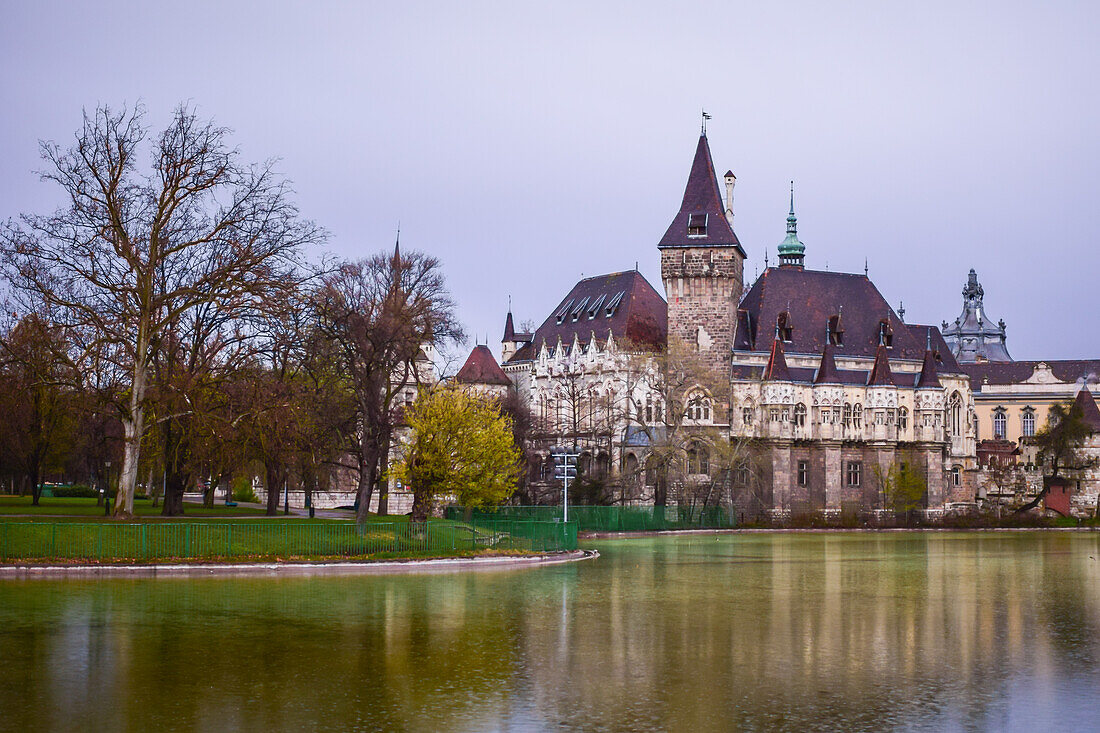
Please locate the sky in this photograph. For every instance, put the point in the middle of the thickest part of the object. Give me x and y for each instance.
(529, 144)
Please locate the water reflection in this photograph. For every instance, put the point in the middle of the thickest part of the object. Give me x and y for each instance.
(700, 633)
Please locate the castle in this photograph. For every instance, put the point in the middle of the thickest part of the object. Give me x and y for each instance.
(806, 391)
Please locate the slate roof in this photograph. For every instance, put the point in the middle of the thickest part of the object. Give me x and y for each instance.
(880, 371)
(481, 368)
(776, 370)
(1014, 372)
(640, 318)
(701, 196)
(510, 333)
(1089, 409)
(812, 297)
(827, 372)
(928, 377)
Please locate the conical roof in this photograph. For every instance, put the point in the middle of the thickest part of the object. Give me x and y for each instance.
(703, 202)
(929, 375)
(481, 368)
(881, 376)
(776, 370)
(1089, 410)
(509, 329)
(827, 372)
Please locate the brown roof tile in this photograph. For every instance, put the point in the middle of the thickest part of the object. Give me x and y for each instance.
(481, 368)
(1089, 410)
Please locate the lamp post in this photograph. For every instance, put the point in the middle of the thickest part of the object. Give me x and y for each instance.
(565, 468)
(107, 491)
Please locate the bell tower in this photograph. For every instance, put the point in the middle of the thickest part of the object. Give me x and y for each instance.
(702, 264)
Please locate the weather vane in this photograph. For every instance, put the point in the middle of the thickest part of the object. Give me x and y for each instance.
(704, 124)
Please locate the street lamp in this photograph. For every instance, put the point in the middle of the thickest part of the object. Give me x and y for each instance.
(107, 491)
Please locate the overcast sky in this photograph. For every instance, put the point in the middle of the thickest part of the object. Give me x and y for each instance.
(527, 144)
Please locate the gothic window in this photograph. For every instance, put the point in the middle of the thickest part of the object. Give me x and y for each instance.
(800, 415)
(855, 468)
(775, 414)
(1028, 422)
(847, 415)
(698, 408)
(742, 474)
(657, 411)
(955, 414)
(697, 225)
(903, 418)
(1000, 423)
(698, 459)
(803, 473)
(956, 476)
(857, 416)
(747, 415)
(890, 417)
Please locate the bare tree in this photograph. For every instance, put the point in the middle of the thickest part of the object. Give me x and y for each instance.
(382, 312)
(135, 248)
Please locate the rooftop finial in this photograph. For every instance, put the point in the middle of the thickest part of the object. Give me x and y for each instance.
(703, 126)
(791, 251)
(865, 267)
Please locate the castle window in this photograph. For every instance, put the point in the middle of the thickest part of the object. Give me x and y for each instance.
(855, 468)
(903, 418)
(595, 307)
(1000, 423)
(847, 415)
(836, 333)
(885, 334)
(563, 311)
(698, 408)
(698, 459)
(803, 473)
(742, 475)
(955, 414)
(857, 416)
(649, 409)
(800, 415)
(614, 303)
(783, 327)
(1028, 422)
(697, 225)
(747, 415)
(580, 308)
(956, 476)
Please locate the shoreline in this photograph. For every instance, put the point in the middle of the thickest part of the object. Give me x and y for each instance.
(630, 535)
(369, 567)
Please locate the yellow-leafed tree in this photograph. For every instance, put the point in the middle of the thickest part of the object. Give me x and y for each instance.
(461, 446)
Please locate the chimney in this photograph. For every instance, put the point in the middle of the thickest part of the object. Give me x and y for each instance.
(730, 181)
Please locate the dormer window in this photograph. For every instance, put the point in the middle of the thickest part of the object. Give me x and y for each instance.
(885, 334)
(563, 312)
(614, 303)
(783, 328)
(594, 309)
(836, 331)
(697, 225)
(579, 309)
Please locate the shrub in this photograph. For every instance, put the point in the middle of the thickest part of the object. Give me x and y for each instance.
(76, 491)
(242, 490)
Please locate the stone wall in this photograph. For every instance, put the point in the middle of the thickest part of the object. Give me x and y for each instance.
(703, 286)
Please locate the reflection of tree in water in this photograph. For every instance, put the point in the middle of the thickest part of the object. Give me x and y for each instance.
(795, 631)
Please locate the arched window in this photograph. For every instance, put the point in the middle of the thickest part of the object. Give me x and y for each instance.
(903, 418)
(704, 459)
(955, 414)
(1028, 422)
(630, 467)
(857, 416)
(1000, 423)
(800, 415)
(847, 415)
(698, 407)
(748, 413)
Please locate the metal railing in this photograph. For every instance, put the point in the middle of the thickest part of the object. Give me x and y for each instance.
(607, 518)
(110, 542)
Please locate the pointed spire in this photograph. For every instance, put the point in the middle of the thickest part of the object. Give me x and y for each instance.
(827, 372)
(397, 245)
(791, 251)
(701, 220)
(881, 376)
(776, 370)
(509, 329)
(929, 376)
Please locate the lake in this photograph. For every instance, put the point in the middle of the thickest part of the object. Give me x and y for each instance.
(852, 631)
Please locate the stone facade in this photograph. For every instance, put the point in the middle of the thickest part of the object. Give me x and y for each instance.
(703, 286)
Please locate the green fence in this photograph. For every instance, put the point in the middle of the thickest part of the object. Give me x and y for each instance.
(107, 542)
(608, 518)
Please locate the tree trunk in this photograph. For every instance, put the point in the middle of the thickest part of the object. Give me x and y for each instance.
(174, 487)
(36, 490)
(368, 474)
(133, 426)
(208, 493)
(274, 477)
(384, 483)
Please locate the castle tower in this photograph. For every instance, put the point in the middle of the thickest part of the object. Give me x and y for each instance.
(702, 265)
